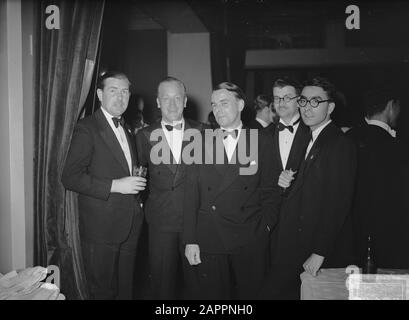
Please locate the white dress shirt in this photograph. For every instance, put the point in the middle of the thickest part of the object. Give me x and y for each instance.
(174, 138)
(230, 143)
(121, 137)
(383, 125)
(315, 135)
(262, 122)
(286, 139)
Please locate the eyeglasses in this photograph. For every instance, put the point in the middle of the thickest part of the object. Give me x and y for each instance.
(314, 102)
(286, 99)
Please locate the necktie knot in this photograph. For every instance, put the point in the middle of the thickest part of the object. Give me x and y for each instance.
(118, 121)
(170, 127)
(282, 126)
(234, 133)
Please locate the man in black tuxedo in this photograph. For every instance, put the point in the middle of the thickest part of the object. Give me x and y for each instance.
(164, 204)
(99, 168)
(313, 217)
(379, 204)
(265, 114)
(229, 203)
(291, 135)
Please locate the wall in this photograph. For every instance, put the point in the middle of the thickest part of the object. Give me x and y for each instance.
(28, 42)
(5, 217)
(189, 61)
(145, 63)
(15, 138)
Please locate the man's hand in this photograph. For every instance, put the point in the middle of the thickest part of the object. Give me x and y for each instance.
(192, 253)
(128, 185)
(285, 178)
(313, 264)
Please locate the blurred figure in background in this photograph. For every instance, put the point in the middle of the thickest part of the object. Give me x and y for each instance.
(211, 121)
(264, 112)
(379, 204)
(134, 115)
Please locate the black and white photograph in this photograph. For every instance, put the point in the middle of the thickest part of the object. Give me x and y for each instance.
(204, 156)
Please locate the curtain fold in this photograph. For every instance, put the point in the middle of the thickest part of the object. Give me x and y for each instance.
(65, 63)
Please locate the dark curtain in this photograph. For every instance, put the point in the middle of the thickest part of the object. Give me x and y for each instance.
(64, 68)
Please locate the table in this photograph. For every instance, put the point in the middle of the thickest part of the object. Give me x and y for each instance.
(330, 284)
(333, 284)
(27, 284)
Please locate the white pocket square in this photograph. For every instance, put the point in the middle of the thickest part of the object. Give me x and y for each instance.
(252, 163)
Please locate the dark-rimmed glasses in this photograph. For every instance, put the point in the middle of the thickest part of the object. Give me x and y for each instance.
(314, 102)
(286, 99)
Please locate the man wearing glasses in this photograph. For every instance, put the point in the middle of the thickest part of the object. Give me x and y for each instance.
(313, 229)
(291, 135)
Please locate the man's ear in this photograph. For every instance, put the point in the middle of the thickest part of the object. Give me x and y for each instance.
(157, 102)
(241, 105)
(389, 107)
(331, 107)
(99, 94)
(185, 102)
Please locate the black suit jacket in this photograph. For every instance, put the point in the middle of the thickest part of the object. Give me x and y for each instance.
(313, 216)
(94, 159)
(164, 203)
(380, 203)
(254, 124)
(297, 152)
(224, 210)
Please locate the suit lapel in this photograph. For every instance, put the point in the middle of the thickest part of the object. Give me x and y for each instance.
(132, 147)
(180, 168)
(277, 147)
(232, 169)
(298, 147)
(314, 153)
(110, 139)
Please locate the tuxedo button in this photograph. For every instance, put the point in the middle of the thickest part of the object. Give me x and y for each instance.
(214, 208)
(173, 188)
(245, 188)
(299, 229)
(208, 188)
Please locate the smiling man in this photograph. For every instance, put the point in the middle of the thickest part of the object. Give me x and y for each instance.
(226, 214)
(313, 229)
(99, 168)
(164, 204)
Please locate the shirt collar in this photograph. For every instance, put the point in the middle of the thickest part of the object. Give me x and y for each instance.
(294, 119)
(381, 124)
(174, 123)
(232, 129)
(317, 131)
(262, 122)
(108, 116)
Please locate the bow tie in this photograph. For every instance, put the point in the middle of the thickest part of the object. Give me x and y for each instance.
(233, 133)
(290, 128)
(177, 127)
(118, 121)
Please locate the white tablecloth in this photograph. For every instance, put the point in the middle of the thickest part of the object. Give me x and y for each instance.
(27, 285)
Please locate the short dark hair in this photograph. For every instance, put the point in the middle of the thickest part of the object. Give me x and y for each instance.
(171, 79)
(262, 101)
(288, 81)
(235, 89)
(324, 84)
(375, 100)
(110, 74)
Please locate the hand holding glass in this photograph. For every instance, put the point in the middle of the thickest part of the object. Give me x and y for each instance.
(139, 171)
